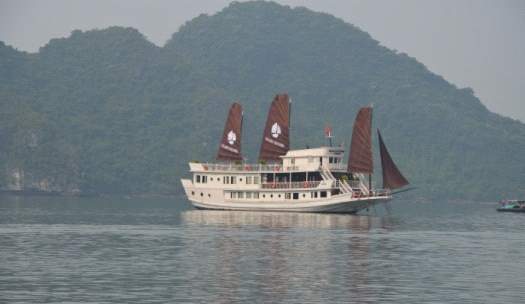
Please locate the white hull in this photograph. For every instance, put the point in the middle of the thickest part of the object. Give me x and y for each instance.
(349, 207)
(343, 203)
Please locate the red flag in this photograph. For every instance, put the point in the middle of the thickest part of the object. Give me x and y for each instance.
(328, 131)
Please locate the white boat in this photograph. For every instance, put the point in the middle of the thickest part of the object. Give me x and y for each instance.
(307, 180)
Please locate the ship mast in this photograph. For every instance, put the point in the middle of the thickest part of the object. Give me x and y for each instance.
(372, 171)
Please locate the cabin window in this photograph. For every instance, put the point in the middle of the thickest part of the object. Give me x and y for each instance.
(287, 195)
(248, 195)
(313, 194)
(256, 195)
(232, 179)
(292, 161)
(226, 180)
(256, 180)
(298, 176)
(248, 180)
(323, 193)
(330, 160)
(240, 194)
(198, 178)
(295, 195)
(233, 194)
(204, 179)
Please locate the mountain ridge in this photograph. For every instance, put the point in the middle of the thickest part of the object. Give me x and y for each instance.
(123, 98)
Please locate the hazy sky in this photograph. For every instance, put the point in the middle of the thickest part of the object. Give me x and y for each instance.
(478, 44)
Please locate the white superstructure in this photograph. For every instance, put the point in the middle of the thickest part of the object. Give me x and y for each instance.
(309, 180)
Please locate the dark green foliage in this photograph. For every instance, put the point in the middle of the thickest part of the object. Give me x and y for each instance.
(106, 111)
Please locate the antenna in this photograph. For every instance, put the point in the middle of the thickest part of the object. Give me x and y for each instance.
(289, 123)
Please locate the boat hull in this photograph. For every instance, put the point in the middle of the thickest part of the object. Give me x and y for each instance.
(214, 199)
(511, 210)
(349, 207)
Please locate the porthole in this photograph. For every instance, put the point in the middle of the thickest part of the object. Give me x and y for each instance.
(218, 179)
(279, 196)
(209, 195)
(240, 179)
(202, 194)
(304, 195)
(211, 179)
(264, 195)
(271, 195)
(192, 192)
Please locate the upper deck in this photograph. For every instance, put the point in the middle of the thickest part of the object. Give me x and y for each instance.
(294, 161)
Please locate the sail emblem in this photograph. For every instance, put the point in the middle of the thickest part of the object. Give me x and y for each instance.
(276, 130)
(232, 137)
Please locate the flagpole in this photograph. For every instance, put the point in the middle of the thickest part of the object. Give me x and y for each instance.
(328, 134)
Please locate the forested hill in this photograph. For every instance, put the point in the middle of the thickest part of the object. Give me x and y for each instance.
(106, 111)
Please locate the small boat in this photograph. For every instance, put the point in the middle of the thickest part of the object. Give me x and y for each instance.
(512, 206)
(307, 180)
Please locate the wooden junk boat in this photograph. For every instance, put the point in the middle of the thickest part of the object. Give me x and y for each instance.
(306, 180)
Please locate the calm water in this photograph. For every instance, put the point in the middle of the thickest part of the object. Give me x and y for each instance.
(160, 250)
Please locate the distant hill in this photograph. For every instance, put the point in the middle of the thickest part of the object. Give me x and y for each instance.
(106, 111)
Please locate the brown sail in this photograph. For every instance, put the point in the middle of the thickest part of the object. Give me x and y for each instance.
(276, 140)
(360, 159)
(392, 177)
(230, 146)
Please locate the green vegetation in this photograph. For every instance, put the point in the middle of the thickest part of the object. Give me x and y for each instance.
(106, 111)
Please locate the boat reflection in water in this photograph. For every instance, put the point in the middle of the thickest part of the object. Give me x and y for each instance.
(283, 219)
(288, 256)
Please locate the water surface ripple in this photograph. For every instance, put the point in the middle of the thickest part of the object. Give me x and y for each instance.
(152, 250)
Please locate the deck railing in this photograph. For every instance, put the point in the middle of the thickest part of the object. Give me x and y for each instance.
(381, 192)
(354, 183)
(291, 185)
(337, 166)
(256, 167)
(245, 167)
